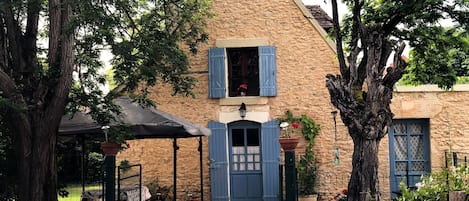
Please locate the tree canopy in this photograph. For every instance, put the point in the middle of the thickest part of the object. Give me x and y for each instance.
(440, 57)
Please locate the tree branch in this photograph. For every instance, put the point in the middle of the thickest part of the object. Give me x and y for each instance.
(32, 23)
(13, 35)
(395, 73)
(357, 70)
(338, 38)
(400, 14)
(7, 88)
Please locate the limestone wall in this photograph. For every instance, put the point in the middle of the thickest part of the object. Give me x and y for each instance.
(304, 58)
(448, 113)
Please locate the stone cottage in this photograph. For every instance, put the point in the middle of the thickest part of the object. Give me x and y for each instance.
(273, 56)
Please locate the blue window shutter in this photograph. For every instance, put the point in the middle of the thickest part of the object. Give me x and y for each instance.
(218, 161)
(268, 71)
(216, 73)
(270, 160)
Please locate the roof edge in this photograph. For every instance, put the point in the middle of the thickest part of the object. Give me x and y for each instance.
(431, 88)
(316, 25)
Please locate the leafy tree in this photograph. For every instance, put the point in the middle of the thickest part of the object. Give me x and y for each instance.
(441, 57)
(363, 90)
(49, 58)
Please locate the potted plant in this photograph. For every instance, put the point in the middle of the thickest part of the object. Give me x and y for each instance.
(286, 141)
(242, 89)
(115, 139)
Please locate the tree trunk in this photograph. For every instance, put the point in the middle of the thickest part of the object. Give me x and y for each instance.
(43, 103)
(37, 173)
(364, 183)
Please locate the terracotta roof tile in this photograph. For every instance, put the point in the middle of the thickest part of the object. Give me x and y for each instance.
(321, 16)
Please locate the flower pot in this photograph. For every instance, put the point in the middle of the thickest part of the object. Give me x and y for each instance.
(308, 198)
(288, 144)
(110, 149)
(457, 196)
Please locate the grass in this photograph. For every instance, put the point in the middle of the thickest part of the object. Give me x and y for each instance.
(74, 192)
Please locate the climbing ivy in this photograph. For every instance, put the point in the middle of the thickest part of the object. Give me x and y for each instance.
(307, 168)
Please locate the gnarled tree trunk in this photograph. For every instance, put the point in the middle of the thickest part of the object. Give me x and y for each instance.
(364, 183)
(362, 94)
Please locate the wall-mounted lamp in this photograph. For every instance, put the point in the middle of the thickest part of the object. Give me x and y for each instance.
(242, 110)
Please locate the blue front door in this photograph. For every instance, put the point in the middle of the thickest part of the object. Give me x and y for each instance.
(409, 150)
(245, 161)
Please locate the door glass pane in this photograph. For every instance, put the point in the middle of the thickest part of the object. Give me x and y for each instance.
(399, 129)
(253, 150)
(416, 129)
(416, 147)
(238, 151)
(250, 166)
(250, 158)
(401, 166)
(237, 137)
(418, 166)
(253, 137)
(400, 147)
(258, 166)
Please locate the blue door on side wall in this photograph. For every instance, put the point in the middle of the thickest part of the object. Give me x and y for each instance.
(409, 150)
(245, 161)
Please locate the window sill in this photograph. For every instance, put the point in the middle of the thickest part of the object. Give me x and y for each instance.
(248, 100)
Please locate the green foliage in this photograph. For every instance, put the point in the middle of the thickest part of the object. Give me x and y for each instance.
(438, 54)
(439, 57)
(149, 42)
(7, 158)
(94, 168)
(119, 135)
(158, 191)
(435, 187)
(307, 167)
(124, 165)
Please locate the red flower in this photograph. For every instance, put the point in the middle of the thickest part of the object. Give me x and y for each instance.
(243, 87)
(295, 125)
(344, 191)
(336, 196)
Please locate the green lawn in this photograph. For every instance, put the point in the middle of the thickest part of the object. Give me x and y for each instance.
(74, 192)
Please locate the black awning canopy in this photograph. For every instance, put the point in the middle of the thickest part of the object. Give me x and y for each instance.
(145, 122)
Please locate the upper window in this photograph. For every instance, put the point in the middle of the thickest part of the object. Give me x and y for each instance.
(250, 71)
(243, 71)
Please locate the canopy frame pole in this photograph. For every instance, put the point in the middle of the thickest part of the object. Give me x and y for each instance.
(201, 170)
(83, 170)
(175, 148)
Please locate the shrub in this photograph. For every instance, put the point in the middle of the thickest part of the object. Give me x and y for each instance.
(435, 186)
(94, 168)
(159, 192)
